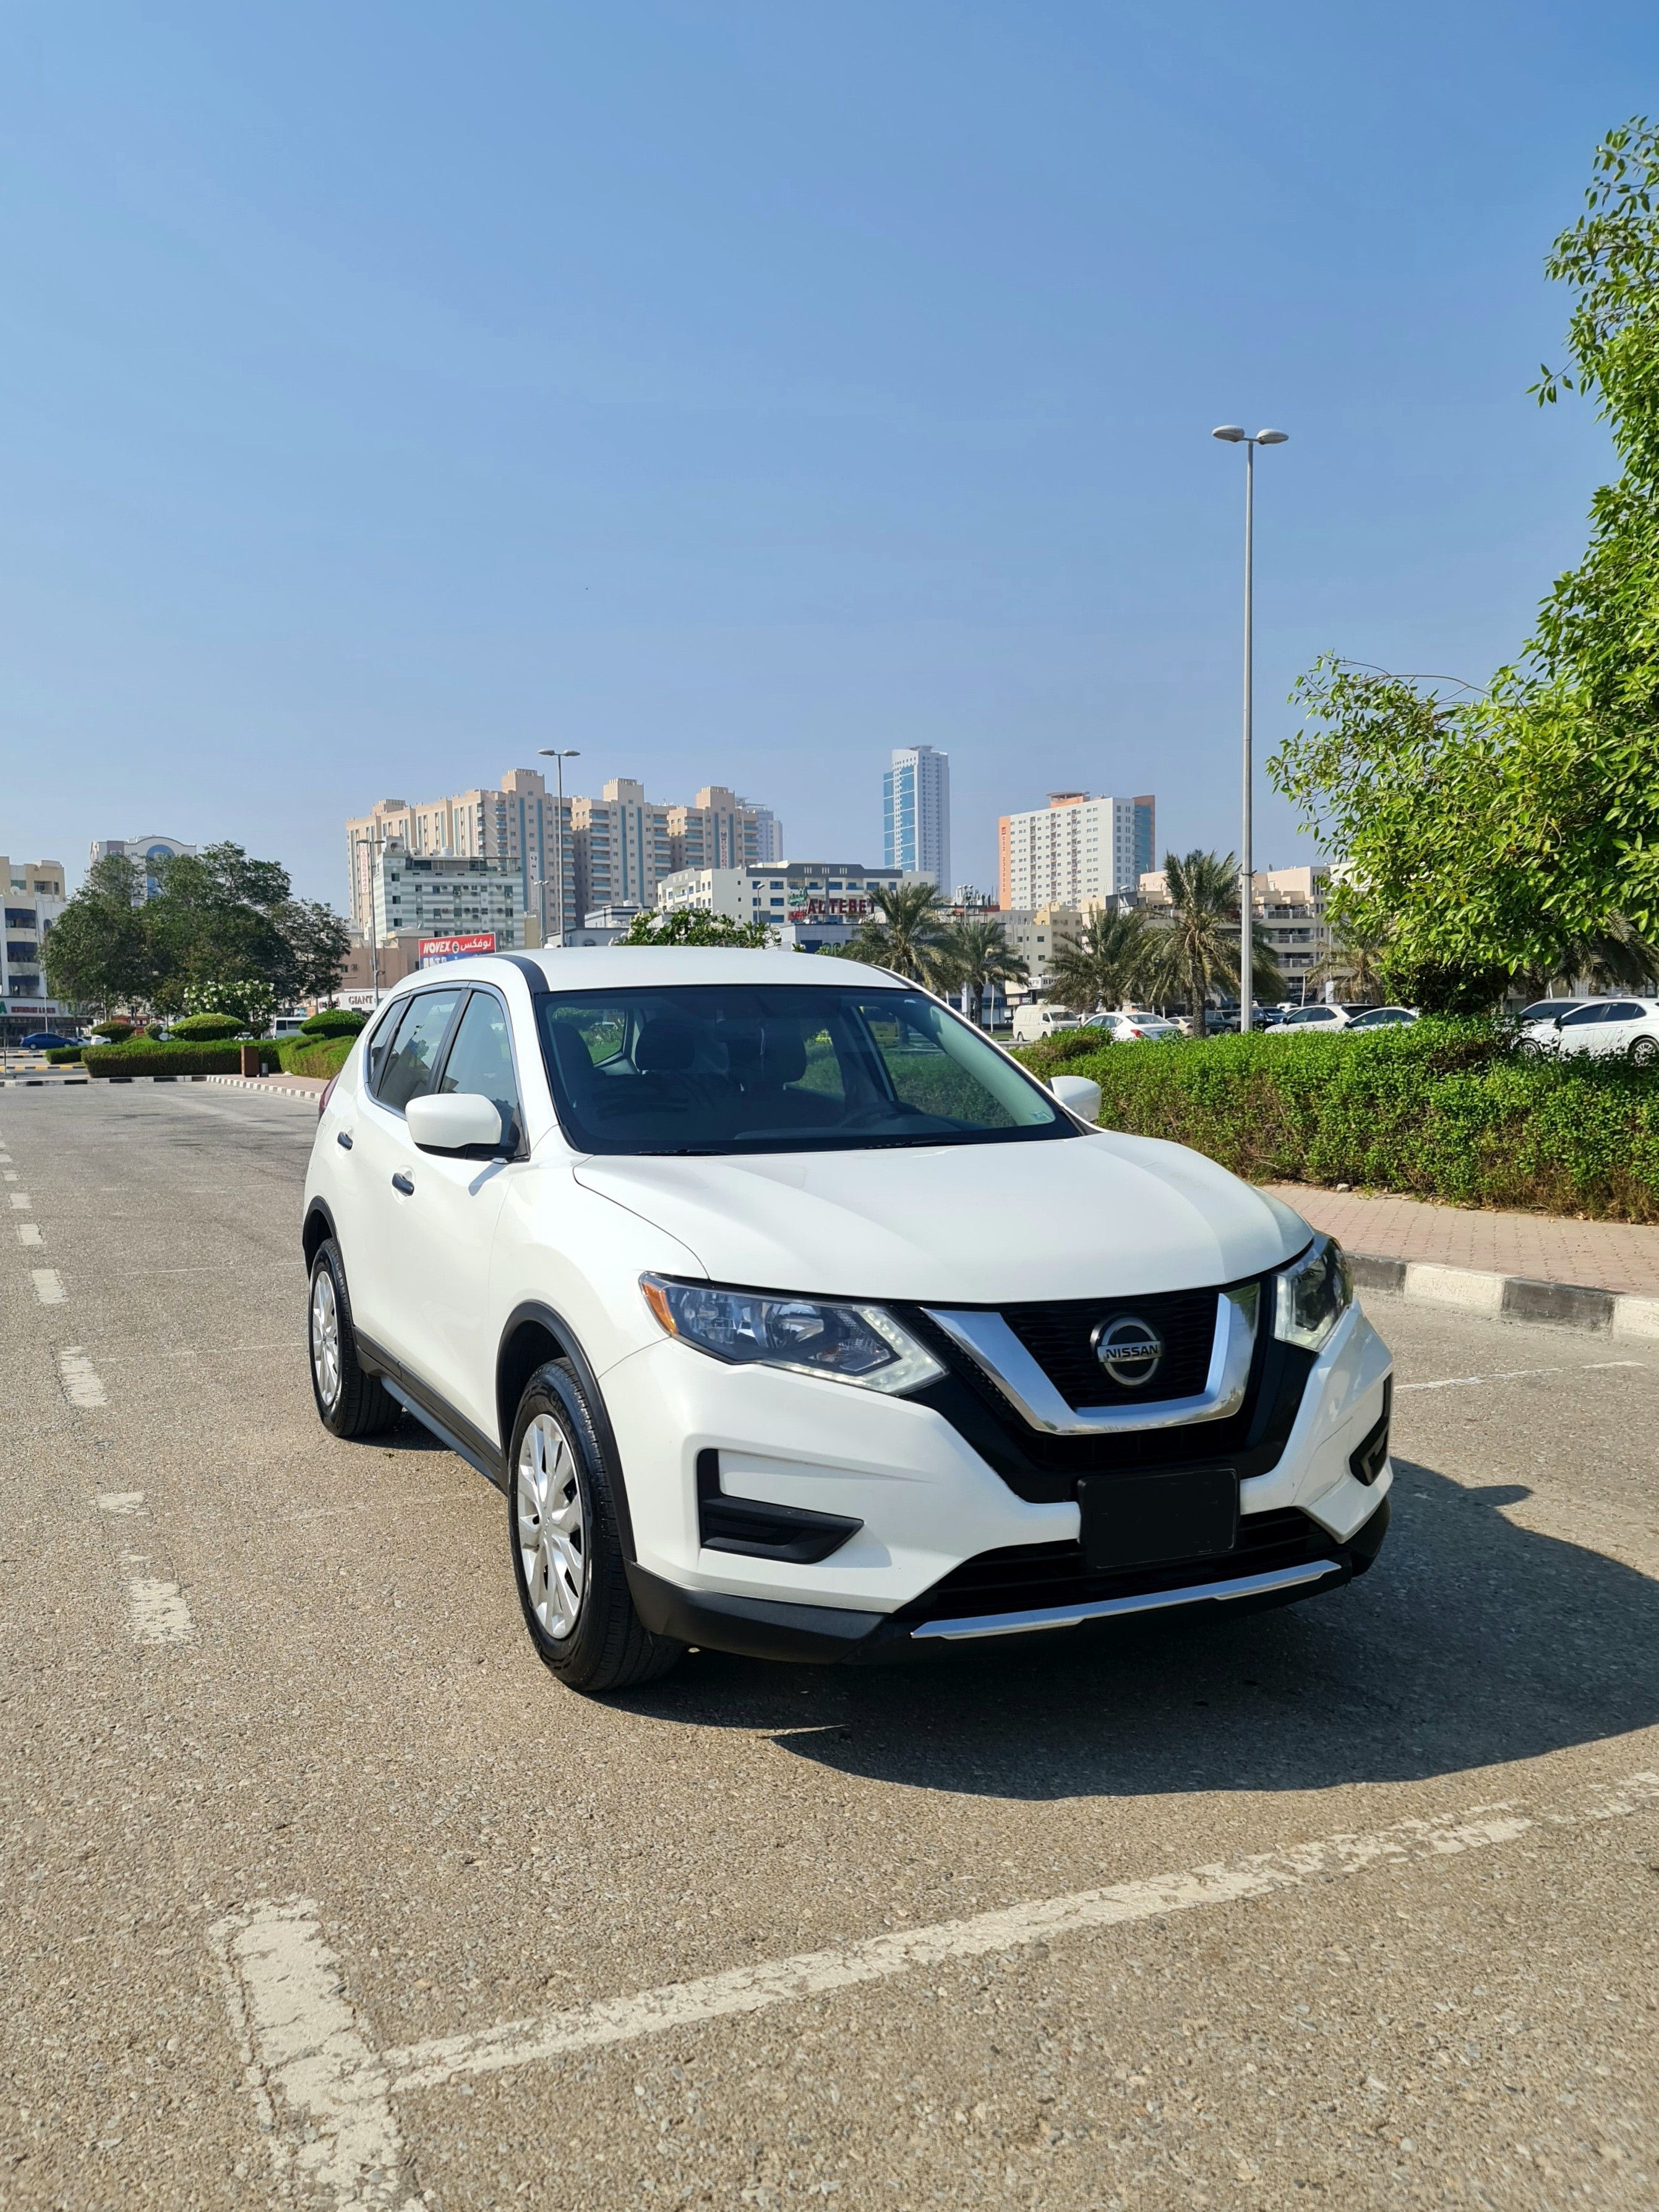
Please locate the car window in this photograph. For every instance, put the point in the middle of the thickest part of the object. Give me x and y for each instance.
(481, 1059)
(1548, 1009)
(413, 1057)
(739, 1068)
(1583, 1016)
(1625, 1010)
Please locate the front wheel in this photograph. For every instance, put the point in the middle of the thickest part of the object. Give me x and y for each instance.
(566, 1551)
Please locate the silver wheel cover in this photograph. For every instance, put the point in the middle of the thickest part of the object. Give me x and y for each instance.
(326, 1338)
(552, 1530)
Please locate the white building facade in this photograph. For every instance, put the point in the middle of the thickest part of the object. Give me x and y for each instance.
(147, 849)
(438, 896)
(800, 891)
(1075, 848)
(34, 897)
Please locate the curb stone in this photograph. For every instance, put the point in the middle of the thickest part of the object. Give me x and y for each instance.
(1509, 1298)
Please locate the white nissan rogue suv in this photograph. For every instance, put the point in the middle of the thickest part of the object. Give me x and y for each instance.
(795, 1319)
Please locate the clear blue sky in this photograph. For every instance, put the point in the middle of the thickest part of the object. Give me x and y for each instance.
(736, 390)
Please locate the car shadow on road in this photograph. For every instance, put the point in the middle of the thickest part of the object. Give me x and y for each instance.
(1473, 1642)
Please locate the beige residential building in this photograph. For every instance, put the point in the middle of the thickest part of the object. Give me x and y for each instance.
(1290, 911)
(1075, 848)
(34, 897)
(617, 848)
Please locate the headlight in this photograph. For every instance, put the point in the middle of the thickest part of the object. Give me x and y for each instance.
(844, 1344)
(1311, 1296)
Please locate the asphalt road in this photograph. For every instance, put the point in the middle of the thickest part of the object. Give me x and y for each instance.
(314, 1888)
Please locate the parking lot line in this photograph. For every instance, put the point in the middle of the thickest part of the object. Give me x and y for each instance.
(324, 2094)
(49, 1286)
(28, 1232)
(83, 1384)
(157, 1610)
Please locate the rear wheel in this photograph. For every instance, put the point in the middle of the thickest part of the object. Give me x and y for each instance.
(1645, 1052)
(350, 1403)
(566, 1551)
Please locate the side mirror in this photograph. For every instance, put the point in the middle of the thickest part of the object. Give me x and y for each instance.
(456, 1121)
(1078, 1093)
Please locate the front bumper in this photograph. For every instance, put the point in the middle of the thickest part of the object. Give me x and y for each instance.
(941, 1534)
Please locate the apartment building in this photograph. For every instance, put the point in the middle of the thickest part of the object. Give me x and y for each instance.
(615, 849)
(147, 849)
(1289, 905)
(34, 897)
(812, 891)
(437, 895)
(916, 798)
(1075, 848)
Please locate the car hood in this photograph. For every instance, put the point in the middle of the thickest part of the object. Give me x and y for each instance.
(1099, 1216)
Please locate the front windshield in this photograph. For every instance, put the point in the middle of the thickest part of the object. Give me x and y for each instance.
(732, 1067)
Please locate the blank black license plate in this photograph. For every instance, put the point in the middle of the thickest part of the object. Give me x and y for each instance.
(1146, 1520)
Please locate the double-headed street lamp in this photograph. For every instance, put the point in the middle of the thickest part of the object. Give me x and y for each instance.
(1232, 435)
(559, 755)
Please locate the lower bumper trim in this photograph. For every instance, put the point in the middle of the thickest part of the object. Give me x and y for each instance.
(1072, 1616)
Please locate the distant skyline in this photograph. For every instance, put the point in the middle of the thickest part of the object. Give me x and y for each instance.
(391, 391)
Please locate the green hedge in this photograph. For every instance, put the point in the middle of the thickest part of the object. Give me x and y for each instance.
(304, 1055)
(145, 1059)
(64, 1055)
(1442, 1110)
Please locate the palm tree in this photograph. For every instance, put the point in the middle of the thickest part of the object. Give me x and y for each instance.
(977, 955)
(1357, 956)
(1200, 951)
(1614, 957)
(905, 932)
(1110, 961)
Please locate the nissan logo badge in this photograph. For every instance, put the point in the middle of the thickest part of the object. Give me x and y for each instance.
(1129, 1350)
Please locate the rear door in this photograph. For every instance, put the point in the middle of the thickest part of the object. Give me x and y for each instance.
(1585, 1030)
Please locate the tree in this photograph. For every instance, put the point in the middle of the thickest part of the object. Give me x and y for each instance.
(906, 933)
(319, 942)
(1199, 951)
(1492, 832)
(976, 955)
(216, 920)
(1358, 957)
(685, 926)
(1107, 962)
(101, 952)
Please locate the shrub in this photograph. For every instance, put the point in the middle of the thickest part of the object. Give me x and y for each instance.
(312, 1056)
(142, 1058)
(1443, 1109)
(63, 1055)
(334, 1022)
(117, 1030)
(206, 1029)
(1060, 1047)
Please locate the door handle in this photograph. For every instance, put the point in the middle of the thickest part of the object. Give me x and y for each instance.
(343, 1137)
(403, 1183)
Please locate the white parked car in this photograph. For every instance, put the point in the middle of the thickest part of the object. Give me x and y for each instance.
(1607, 1027)
(1031, 1022)
(1312, 1021)
(1136, 1028)
(795, 1319)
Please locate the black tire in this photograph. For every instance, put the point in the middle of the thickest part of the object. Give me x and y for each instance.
(1529, 1049)
(357, 1405)
(1645, 1052)
(572, 1585)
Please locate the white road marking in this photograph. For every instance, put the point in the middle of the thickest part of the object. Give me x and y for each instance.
(322, 2091)
(49, 1286)
(82, 1385)
(158, 1612)
(28, 1232)
(1516, 1374)
(121, 1501)
(9, 1176)
(753, 1989)
(21, 1203)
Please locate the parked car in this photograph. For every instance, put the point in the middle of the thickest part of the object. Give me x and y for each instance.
(1032, 1022)
(1306, 1021)
(796, 1319)
(1134, 1028)
(1548, 1009)
(46, 1041)
(1381, 1018)
(1608, 1028)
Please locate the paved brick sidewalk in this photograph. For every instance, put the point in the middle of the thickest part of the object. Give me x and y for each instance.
(1608, 1255)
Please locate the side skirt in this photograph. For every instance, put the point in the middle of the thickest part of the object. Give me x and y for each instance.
(434, 1413)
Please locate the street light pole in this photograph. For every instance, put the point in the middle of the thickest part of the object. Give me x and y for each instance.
(1232, 435)
(559, 755)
